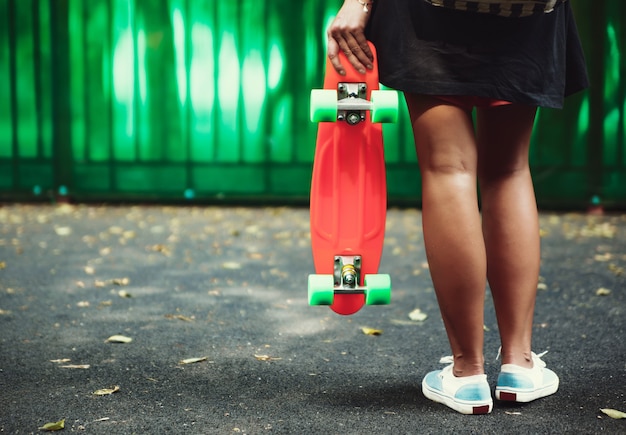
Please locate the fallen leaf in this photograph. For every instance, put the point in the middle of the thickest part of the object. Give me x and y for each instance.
(63, 231)
(266, 358)
(106, 391)
(613, 413)
(417, 315)
(120, 281)
(3, 264)
(4, 312)
(603, 292)
(193, 360)
(179, 317)
(124, 294)
(231, 265)
(162, 249)
(76, 366)
(371, 331)
(542, 286)
(603, 257)
(53, 426)
(83, 304)
(118, 339)
(89, 270)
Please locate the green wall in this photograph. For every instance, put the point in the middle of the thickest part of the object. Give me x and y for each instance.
(208, 100)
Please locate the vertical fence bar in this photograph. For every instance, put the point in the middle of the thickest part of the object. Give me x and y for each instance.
(61, 114)
(595, 144)
(15, 153)
(37, 77)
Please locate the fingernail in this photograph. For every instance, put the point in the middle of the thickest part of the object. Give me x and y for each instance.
(370, 66)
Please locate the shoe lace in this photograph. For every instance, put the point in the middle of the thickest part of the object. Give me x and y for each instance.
(536, 357)
(447, 360)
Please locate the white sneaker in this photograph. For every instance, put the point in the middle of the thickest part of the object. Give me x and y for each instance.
(519, 384)
(467, 395)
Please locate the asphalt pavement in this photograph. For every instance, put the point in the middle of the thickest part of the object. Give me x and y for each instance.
(210, 304)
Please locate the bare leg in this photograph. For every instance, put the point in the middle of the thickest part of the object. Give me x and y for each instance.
(510, 224)
(447, 153)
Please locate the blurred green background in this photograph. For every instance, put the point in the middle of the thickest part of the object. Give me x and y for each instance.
(208, 100)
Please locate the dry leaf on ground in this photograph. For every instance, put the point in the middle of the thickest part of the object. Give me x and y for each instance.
(613, 413)
(193, 360)
(266, 358)
(53, 426)
(118, 339)
(76, 366)
(180, 317)
(106, 391)
(231, 265)
(371, 331)
(603, 292)
(63, 231)
(417, 315)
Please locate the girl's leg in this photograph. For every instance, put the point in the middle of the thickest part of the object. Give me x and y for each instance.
(510, 223)
(447, 154)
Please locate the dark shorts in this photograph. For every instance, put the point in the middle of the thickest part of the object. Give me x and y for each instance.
(430, 50)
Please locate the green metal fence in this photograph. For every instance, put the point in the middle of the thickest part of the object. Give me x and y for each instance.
(208, 100)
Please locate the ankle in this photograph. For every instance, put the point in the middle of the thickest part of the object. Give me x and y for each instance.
(521, 359)
(464, 366)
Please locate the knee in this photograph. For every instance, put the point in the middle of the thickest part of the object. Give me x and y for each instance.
(502, 173)
(446, 166)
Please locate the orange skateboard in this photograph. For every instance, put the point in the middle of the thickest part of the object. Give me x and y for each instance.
(348, 189)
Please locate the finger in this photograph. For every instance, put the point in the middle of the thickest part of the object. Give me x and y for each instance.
(333, 51)
(365, 48)
(365, 57)
(355, 54)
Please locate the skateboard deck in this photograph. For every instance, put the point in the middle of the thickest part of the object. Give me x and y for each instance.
(348, 200)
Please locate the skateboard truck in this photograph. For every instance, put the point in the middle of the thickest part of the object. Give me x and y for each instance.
(352, 102)
(345, 281)
(348, 274)
(349, 103)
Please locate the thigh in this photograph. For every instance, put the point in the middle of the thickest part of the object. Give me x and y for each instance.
(444, 135)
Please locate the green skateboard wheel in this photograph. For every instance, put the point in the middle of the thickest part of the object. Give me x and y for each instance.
(321, 289)
(377, 289)
(385, 106)
(323, 105)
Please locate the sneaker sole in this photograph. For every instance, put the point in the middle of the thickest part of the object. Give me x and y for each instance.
(521, 396)
(464, 407)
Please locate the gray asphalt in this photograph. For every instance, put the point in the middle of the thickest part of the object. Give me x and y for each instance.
(229, 284)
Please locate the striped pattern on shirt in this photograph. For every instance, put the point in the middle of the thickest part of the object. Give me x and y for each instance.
(504, 8)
